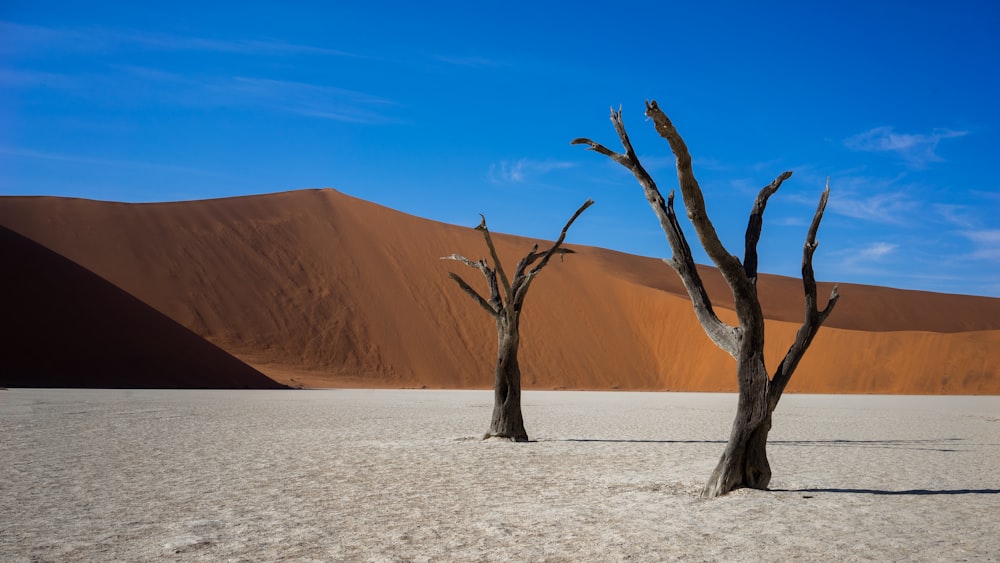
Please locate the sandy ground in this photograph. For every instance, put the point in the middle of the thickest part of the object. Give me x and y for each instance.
(401, 475)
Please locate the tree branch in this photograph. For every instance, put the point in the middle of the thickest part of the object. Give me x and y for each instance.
(522, 265)
(518, 287)
(755, 223)
(496, 260)
(694, 202)
(562, 236)
(723, 335)
(480, 265)
(495, 304)
(522, 287)
(682, 262)
(473, 293)
(814, 318)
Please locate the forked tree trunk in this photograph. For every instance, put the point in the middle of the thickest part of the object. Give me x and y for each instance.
(505, 303)
(507, 421)
(744, 461)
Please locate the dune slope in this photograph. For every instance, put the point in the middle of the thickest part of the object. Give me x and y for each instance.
(63, 326)
(317, 288)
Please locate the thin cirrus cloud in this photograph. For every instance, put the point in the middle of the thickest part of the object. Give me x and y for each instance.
(17, 78)
(916, 149)
(36, 40)
(33, 39)
(523, 170)
(956, 214)
(987, 243)
(876, 251)
(326, 102)
(471, 61)
(160, 87)
(320, 101)
(889, 201)
(169, 42)
(869, 258)
(888, 208)
(105, 162)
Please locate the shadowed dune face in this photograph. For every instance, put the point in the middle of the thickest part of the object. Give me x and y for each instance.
(317, 288)
(63, 326)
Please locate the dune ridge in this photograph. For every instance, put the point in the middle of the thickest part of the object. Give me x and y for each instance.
(317, 288)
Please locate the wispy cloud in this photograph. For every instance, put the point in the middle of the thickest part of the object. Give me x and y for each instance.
(876, 251)
(789, 221)
(326, 102)
(917, 149)
(889, 201)
(169, 42)
(105, 162)
(471, 61)
(869, 259)
(958, 215)
(17, 78)
(890, 208)
(154, 86)
(987, 243)
(36, 39)
(523, 170)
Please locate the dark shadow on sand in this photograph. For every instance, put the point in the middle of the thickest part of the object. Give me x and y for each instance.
(913, 492)
(611, 441)
(936, 445)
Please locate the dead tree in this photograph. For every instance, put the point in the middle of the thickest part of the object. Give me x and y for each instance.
(744, 461)
(505, 309)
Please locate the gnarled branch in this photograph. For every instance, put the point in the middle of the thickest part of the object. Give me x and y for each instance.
(495, 303)
(496, 260)
(480, 265)
(694, 203)
(474, 294)
(723, 335)
(556, 247)
(524, 280)
(516, 288)
(813, 316)
(756, 222)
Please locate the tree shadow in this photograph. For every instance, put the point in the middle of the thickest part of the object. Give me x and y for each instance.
(913, 492)
(936, 445)
(618, 441)
(926, 444)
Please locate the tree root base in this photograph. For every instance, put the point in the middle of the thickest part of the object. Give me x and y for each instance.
(504, 438)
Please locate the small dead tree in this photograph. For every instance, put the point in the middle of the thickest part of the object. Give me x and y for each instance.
(505, 309)
(744, 461)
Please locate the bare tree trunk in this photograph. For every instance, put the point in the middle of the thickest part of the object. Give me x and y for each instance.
(506, 300)
(507, 421)
(744, 461)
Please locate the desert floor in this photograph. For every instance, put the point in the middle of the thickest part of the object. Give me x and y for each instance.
(402, 475)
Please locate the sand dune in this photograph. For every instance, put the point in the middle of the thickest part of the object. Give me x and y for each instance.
(63, 326)
(317, 288)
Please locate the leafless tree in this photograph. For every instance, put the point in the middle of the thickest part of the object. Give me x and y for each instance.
(744, 461)
(505, 308)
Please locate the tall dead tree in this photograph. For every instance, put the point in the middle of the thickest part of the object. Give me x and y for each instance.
(744, 461)
(505, 309)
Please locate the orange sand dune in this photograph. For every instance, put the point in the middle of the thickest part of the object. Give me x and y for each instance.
(66, 327)
(317, 288)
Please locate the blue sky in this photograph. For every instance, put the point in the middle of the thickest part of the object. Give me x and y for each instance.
(447, 110)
